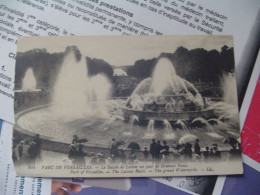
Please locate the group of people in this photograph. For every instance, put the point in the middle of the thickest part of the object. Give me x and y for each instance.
(158, 152)
(76, 153)
(27, 151)
(118, 155)
(210, 154)
(99, 158)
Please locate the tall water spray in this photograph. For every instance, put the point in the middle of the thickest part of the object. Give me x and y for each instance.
(150, 133)
(99, 88)
(150, 127)
(71, 87)
(133, 119)
(75, 88)
(29, 81)
(182, 125)
(201, 122)
(168, 128)
(164, 78)
(165, 82)
(228, 85)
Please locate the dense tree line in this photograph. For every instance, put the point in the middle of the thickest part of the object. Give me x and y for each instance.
(46, 66)
(193, 65)
(96, 66)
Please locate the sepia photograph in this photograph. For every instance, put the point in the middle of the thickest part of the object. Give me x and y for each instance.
(126, 106)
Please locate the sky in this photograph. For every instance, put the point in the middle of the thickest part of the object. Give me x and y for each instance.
(124, 50)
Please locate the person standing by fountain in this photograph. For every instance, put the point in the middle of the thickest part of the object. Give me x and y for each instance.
(113, 149)
(206, 154)
(37, 141)
(158, 151)
(153, 149)
(20, 150)
(72, 153)
(165, 151)
(197, 148)
(80, 155)
(145, 152)
(215, 154)
(177, 151)
(216, 151)
(32, 152)
(187, 152)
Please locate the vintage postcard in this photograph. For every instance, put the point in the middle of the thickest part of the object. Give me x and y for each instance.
(126, 106)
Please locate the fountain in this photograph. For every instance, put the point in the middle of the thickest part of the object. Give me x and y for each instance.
(200, 122)
(81, 105)
(71, 87)
(29, 81)
(165, 95)
(213, 121)
(168, 128)
(182, 125)
(77, 99)
(75, 88)
(25, 96)
(150, 130)
(133, 119)
(230, 92)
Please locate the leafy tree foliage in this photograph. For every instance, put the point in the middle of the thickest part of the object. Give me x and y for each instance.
(96, 66)
(46, 66)
(193, 65)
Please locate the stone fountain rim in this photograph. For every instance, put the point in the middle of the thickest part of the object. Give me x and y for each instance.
(18, 128)
(49, 139)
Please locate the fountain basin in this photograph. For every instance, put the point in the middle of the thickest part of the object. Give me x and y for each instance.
(51, 143)
(56, 135)
(170, 116)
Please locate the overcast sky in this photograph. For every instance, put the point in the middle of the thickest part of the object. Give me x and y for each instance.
(124, 50)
